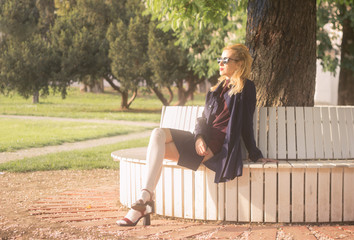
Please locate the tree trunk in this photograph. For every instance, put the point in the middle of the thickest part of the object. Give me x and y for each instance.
(160, 96)
(182, 96)
(170, 92)
(35, 97)
(281, 36)
(124, 102)
(346, 74)
(135, 93)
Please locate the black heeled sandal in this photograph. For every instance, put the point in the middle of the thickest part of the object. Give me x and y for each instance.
(125, 222)
(142, 208)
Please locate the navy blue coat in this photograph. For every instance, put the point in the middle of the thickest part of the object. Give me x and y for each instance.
(227, 164)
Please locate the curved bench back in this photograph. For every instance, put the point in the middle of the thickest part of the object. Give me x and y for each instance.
(292, 133)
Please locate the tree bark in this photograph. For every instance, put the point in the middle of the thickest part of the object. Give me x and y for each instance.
(160, 96)
(124, 101)
(346, 74)
(170, 92)
(135, 93)
(281, 36)
(35, 97)
(182, 98)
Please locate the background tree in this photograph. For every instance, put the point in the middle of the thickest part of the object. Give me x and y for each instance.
(128, 43)
(340, 16)
(164, 61)
(26, 60)
(200, 41)
(27, 67)
(79, 38)
(280, 35)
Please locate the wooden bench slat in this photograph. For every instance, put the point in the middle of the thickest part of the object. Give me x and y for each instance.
(168, 193)
(231, 190)
(300, 133)
(343, 133)
(311, 195)
(169, 119)
(336, 141)
(309, 133)
(348, 206)
(297, 206)
(272, 133)
(178, 197)
(243, 202)
(256, 194)
(350, 129)
(327, 140)
(187, 123)
(281, 134)
(159, 194)
(263, 136)
(319, 152)
(290, 126)
(284, 173)
(270, 194)
(200, 195)
(221, 201)
(336, 194)
(323, 194)
(189, 189)
(211, 196)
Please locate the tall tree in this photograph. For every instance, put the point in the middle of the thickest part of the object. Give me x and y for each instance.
(27, 67)
(25, 25)
(281, 36)
(163, 57)
(128, 43)
(78, 36)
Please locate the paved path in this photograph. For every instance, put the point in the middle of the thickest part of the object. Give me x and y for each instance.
(32, 152)
(122, 122)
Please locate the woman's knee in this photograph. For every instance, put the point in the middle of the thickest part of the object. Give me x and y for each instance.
(158, 133)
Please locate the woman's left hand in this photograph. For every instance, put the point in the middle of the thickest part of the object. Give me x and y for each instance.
(265, 160)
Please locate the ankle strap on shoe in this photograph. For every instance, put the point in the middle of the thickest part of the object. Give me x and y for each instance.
(151, 194)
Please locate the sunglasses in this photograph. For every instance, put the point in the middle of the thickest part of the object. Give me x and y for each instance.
(225, 60)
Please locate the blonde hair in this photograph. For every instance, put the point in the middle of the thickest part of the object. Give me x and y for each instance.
(238, 78)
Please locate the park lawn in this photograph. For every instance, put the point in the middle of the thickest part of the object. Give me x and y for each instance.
(146, 107)
(20, 134)
(87, 159)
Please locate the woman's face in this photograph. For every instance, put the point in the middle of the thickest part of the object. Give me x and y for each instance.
(229, 68)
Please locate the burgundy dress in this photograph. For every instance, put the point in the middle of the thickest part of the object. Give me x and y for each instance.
(185, 140)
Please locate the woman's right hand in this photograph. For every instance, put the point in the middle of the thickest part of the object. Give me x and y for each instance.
(201, 147)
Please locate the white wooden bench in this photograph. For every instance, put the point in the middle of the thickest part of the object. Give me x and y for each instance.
(313, 181)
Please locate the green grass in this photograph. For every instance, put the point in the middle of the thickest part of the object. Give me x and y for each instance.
(93, 158)
(146, 107)
(19, 134)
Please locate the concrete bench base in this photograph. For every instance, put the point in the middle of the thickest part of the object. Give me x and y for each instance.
(290, 191)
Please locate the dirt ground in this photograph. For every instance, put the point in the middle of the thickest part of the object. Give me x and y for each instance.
(19, 191)
(84, 205)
